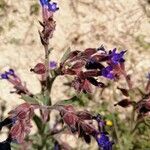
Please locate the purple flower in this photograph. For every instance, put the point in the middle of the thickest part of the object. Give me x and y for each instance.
(15, 80)
(51, 6)
(4, 76)
(11, 72)
(8, 73)
(106, 72)
(102, 137)
(43, 2)
(104, 142)
(53, 64)
(116, 57)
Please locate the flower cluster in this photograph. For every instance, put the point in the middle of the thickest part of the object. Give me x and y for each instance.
(15, 80)
(8, 73)
(115, 64)
(102, 137)
(91, 63)
(78, 122)
(51, 6)
(104, 142)
(48, 24)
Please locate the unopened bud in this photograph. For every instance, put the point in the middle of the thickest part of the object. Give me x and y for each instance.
(39, 69)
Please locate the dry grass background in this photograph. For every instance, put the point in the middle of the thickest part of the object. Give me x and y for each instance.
(124, 24)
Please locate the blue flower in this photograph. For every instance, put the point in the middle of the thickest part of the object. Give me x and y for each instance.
(51, 6)
(53, 64)
(117, 57)
(43, 2)
(10, 72)
(104, 142)
(7, 73)
(4, 76)
(106, 72)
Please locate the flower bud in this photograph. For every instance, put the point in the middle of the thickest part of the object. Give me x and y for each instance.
(39, 68)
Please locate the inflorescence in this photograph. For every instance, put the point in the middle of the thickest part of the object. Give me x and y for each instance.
(52, 6)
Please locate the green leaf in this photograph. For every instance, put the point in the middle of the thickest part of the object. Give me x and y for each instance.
(38, 123)
(47, 101)
(29, 99)
(41, 99)
(74, 100)
(65, 55)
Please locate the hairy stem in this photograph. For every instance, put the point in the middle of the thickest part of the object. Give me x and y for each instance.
(47, 88)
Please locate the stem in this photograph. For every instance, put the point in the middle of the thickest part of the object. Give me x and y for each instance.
(132, 119)
(117, 133)
(115, 124)
(47, 88)
(133, 132)
(131, 98)
(127, 81)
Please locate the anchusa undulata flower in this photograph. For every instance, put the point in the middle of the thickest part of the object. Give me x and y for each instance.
(77, 121)
(52, 65)
(15, 80)
(104, 141)
(88, 65)
(48, 24)
(51, 6)
(102, 136)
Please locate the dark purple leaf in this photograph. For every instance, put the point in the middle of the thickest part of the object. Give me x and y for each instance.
(124, 103)
(95, 82)
(84, 115)
(124, 91)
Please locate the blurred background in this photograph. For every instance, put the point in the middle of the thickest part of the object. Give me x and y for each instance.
(124, 24)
